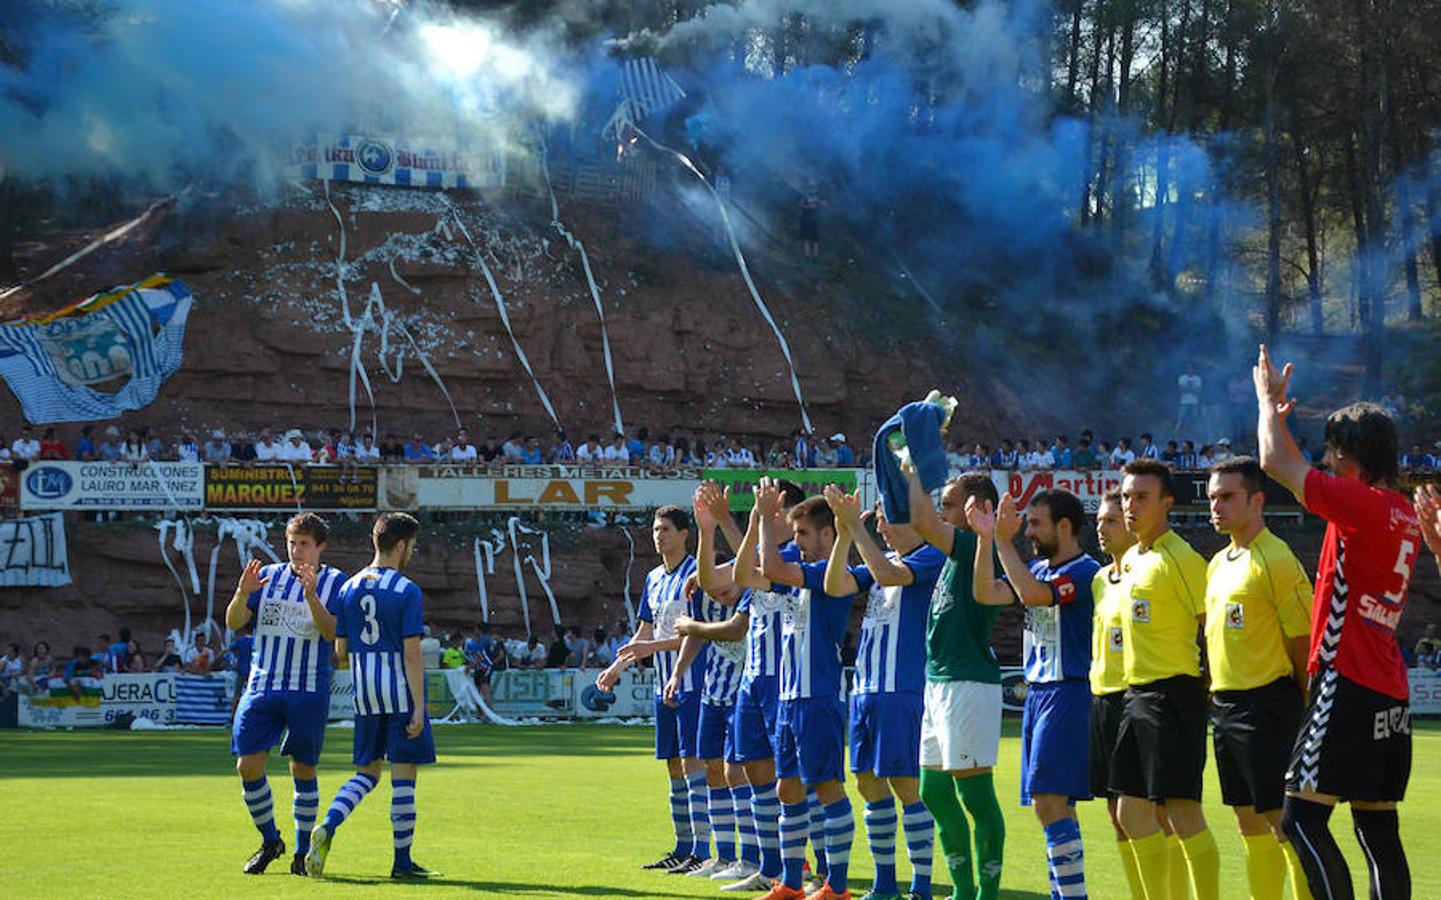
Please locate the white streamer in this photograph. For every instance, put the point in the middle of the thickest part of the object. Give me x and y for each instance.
(544, 577)
(504, 316)
(745, 272)
(480, 583)
(519, 575)
(630, 561)
(184, 542)
(249, 536)
(575, 244)
(109, 237)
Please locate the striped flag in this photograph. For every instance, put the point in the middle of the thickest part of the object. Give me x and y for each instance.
(201, 700)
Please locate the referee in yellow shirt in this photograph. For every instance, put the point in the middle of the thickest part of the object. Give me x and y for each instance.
(1161, 747)
(1258, 605)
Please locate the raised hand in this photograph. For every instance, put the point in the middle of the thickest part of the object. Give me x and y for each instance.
(846, 507)
(1271, 384)
(981, 515)
(307, 575)
(1008, 519)
(250, 580)
(768, 498)
(1428, 509)
(703, 517)
(718, 499)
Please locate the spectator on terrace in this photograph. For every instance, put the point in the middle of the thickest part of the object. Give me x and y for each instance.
(26, 447)
(775, 455)
(464, 451)
(390, 449)
(1148, 448)
(1005, 455)
(109, 448)
(39, 670)
(1062, 454)
(804, 452)
(242, 450)
(294, 449)
(117, 653)
(330, 450)
(1428, 649)
(12, 669)
(845, 456)
(513, 451)
(1222, 452)
(417, 451)
(601, 654)
(51, 447)
(825, 454)
(1414, 459)
(957, 458)
(1394, 402)
(532, 455)
(134, 450)
(561, 451)
(533, 656)
(198, 658)
(135, 659)
(616, 454)
(488, 451)
(267, 449)
(1123, 455)
(85, 447)
(581, 649)
(740, 457)
(1204, 459)
(1189, 386)
(662, 454)
(169, 659)
(1433, 459)
(1187, 458)
(810, 221)
(82, 673)
(559, 650)
(347, 455)
(443, 450)
(187, 449)
(153, 445)
(635, 448)
(590, 450)
(1171, 454)
(217, 450)
(430, 649)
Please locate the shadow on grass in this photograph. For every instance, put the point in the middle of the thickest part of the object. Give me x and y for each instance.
(502, 888)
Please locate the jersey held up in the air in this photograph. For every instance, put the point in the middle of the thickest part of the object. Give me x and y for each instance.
(379, 609)
(289, 653)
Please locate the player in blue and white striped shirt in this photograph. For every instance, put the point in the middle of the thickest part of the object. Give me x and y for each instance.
(293, 606)
(1055, 727)
(378, 629)
(664, 601)
(888, 700)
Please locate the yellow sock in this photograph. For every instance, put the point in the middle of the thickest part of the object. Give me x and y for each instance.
(1203, 862)
(1152, 864)
(1265, 866)
(1133, 872)
(1179, 884)
(1300, 889)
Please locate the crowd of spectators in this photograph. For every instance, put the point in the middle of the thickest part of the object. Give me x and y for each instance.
(338, 447)
(41, 673)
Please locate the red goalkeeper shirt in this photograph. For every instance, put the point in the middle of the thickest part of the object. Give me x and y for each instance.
(1372, 539)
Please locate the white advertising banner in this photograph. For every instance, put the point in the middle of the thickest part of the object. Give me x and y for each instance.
(634, 695)
(32, 552)
(164, 698)
(100, 485)
(552, 487)
(1425, 692)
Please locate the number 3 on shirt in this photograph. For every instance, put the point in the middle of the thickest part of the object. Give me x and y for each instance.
(371, 632)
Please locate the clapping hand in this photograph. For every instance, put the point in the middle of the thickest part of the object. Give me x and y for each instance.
(981, 515)
(1271, 384)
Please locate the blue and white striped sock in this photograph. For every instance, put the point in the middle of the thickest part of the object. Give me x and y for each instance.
(767, 808)
(840, 834)
(795, 819)
(920, 828)
(307, 805)
(722, 810)
(881, 836)
(699, 815)
(817, 830)
(262, 807)
(402, 819)
(347, 799)
(746, 824)
(1066, 858)
(680, 817)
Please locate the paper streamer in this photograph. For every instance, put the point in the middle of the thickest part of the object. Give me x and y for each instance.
(182, 539)
(745, 272)
(630, 561)
(504, 316)
(109, 237)
(576, 245)
(249, 535)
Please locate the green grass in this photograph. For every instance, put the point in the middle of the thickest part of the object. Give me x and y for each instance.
(519, 812)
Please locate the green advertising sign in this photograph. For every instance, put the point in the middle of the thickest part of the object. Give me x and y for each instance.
(742, 482)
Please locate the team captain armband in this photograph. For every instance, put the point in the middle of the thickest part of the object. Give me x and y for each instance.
(1063, 590)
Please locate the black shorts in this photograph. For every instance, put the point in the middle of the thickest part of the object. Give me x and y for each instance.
(1354, 744)
(1106, 710)
(1161, 745)
(1254, 731)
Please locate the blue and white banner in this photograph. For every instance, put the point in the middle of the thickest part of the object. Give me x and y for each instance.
(100, 357)
(201, 700)
(164, 698)
(32, 552)
(368, 159)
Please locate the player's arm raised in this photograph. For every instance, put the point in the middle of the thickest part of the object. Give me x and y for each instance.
(985, 586)
(708, 575)
(238, 612)
(886, 571)
(839, 580)
(309, 580)
(746, 569)
(1428, 509)
(924, 518)
(718, 502)
(1280, 457)
(1008, 524)
(775, 569)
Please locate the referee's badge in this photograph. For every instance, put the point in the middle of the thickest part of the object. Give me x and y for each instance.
(1117, 639)
(1235, 616)
(1140, 610)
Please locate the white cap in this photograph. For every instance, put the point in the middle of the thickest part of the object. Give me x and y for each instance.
(838, 438)
(1223, 442)
(294, 434)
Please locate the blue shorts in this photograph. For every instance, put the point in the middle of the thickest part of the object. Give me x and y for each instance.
(260, 719)
(886, 734)
(384, 737)
(715, 739)
(1056, 741)
(675, 726)
(755, 720)
(810, 740)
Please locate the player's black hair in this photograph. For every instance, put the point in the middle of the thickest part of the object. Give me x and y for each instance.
(308, 523)
(1252, 478)
(1146, 437)
(392, 528)
(1155, 468)
(677, 517)
(1366, 433)
(978, 485)
(791, 493)
(1062, 504)
(816, 511)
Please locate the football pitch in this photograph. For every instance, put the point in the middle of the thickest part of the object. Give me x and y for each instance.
(565, 810)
